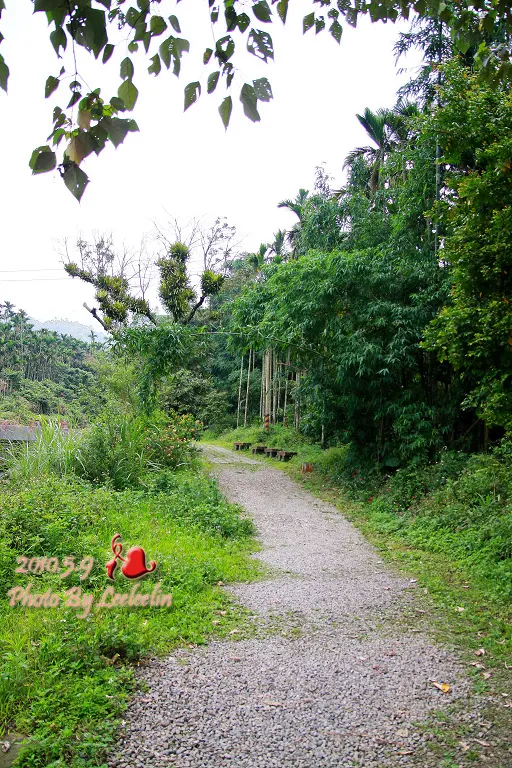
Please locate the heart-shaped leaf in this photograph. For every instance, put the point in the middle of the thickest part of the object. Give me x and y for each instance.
(225, 110)
(128, 93)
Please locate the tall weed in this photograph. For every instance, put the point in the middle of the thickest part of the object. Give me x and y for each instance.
(53, 451)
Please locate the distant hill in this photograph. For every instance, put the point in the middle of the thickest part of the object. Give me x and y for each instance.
(71, 328)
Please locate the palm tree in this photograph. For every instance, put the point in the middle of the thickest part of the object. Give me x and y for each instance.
(377, 126)
(257, 260)
(278, 247)
(297, 207)
(399, 122)
(389, 129)
(7, 310)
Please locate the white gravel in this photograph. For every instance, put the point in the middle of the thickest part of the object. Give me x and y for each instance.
(349, 690)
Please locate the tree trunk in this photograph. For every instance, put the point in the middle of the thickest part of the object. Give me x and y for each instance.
(239, 392)
(275, 372)
(267, 389)
(297, 404)
(279, 367)
(251, 356)
(286, 389)
(262, 388)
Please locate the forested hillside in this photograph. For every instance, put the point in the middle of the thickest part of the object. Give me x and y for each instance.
(45, 373)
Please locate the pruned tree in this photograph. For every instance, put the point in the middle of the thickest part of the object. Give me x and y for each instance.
(117, 275)
(121, 279)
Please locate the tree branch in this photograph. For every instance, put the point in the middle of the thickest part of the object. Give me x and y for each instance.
(94, 313)
(195, 308)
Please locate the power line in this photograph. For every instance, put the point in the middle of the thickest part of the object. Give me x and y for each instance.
(46, 269)
(33, 279)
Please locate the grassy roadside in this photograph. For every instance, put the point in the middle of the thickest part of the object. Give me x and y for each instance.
(457, 551)
(65, 676)
(462, 611)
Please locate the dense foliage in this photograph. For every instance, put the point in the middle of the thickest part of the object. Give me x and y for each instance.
(65, 673)
(474, 330)
(43, 372)
(395, 301)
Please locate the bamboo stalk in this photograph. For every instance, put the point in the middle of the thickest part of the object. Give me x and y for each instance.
(239, 392)
(262, 385)
(267, 389)
(286, 389)
(296, 419)
(279, 374)
(274, 388)
(251, 356)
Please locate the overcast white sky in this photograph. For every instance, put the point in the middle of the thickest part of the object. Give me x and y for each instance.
(183, 163)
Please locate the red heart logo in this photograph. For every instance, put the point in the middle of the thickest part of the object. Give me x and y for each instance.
(134, 565)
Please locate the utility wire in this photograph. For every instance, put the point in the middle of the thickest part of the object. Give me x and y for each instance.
(46, 269)
(32, 279)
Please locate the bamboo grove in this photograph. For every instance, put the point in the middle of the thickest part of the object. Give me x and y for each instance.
(381, 318)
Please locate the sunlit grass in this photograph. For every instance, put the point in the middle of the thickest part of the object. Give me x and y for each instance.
(64, 679)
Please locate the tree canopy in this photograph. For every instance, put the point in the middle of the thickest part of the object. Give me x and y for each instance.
(152, 29)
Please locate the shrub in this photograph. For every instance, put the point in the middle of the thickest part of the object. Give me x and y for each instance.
(113, 450)
(118, 449)
(169, 439)
(460, 506)
(276, 436)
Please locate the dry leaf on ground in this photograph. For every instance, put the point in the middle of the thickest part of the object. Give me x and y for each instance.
(444, 687)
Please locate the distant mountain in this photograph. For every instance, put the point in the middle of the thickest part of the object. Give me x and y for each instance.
(71, 328)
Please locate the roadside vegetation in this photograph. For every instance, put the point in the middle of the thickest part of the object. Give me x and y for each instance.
(44, 373)
(66, 672)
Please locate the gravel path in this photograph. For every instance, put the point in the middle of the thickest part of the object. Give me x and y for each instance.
(342, 683)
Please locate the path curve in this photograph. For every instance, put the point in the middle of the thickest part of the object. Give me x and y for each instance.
(341, 682)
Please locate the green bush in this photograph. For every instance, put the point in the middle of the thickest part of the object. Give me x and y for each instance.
(277, 436)
(120, 449)
(113, 450)
(460, 506)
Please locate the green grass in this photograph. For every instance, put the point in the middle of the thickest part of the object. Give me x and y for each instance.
(276, 437)
(64, 680)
